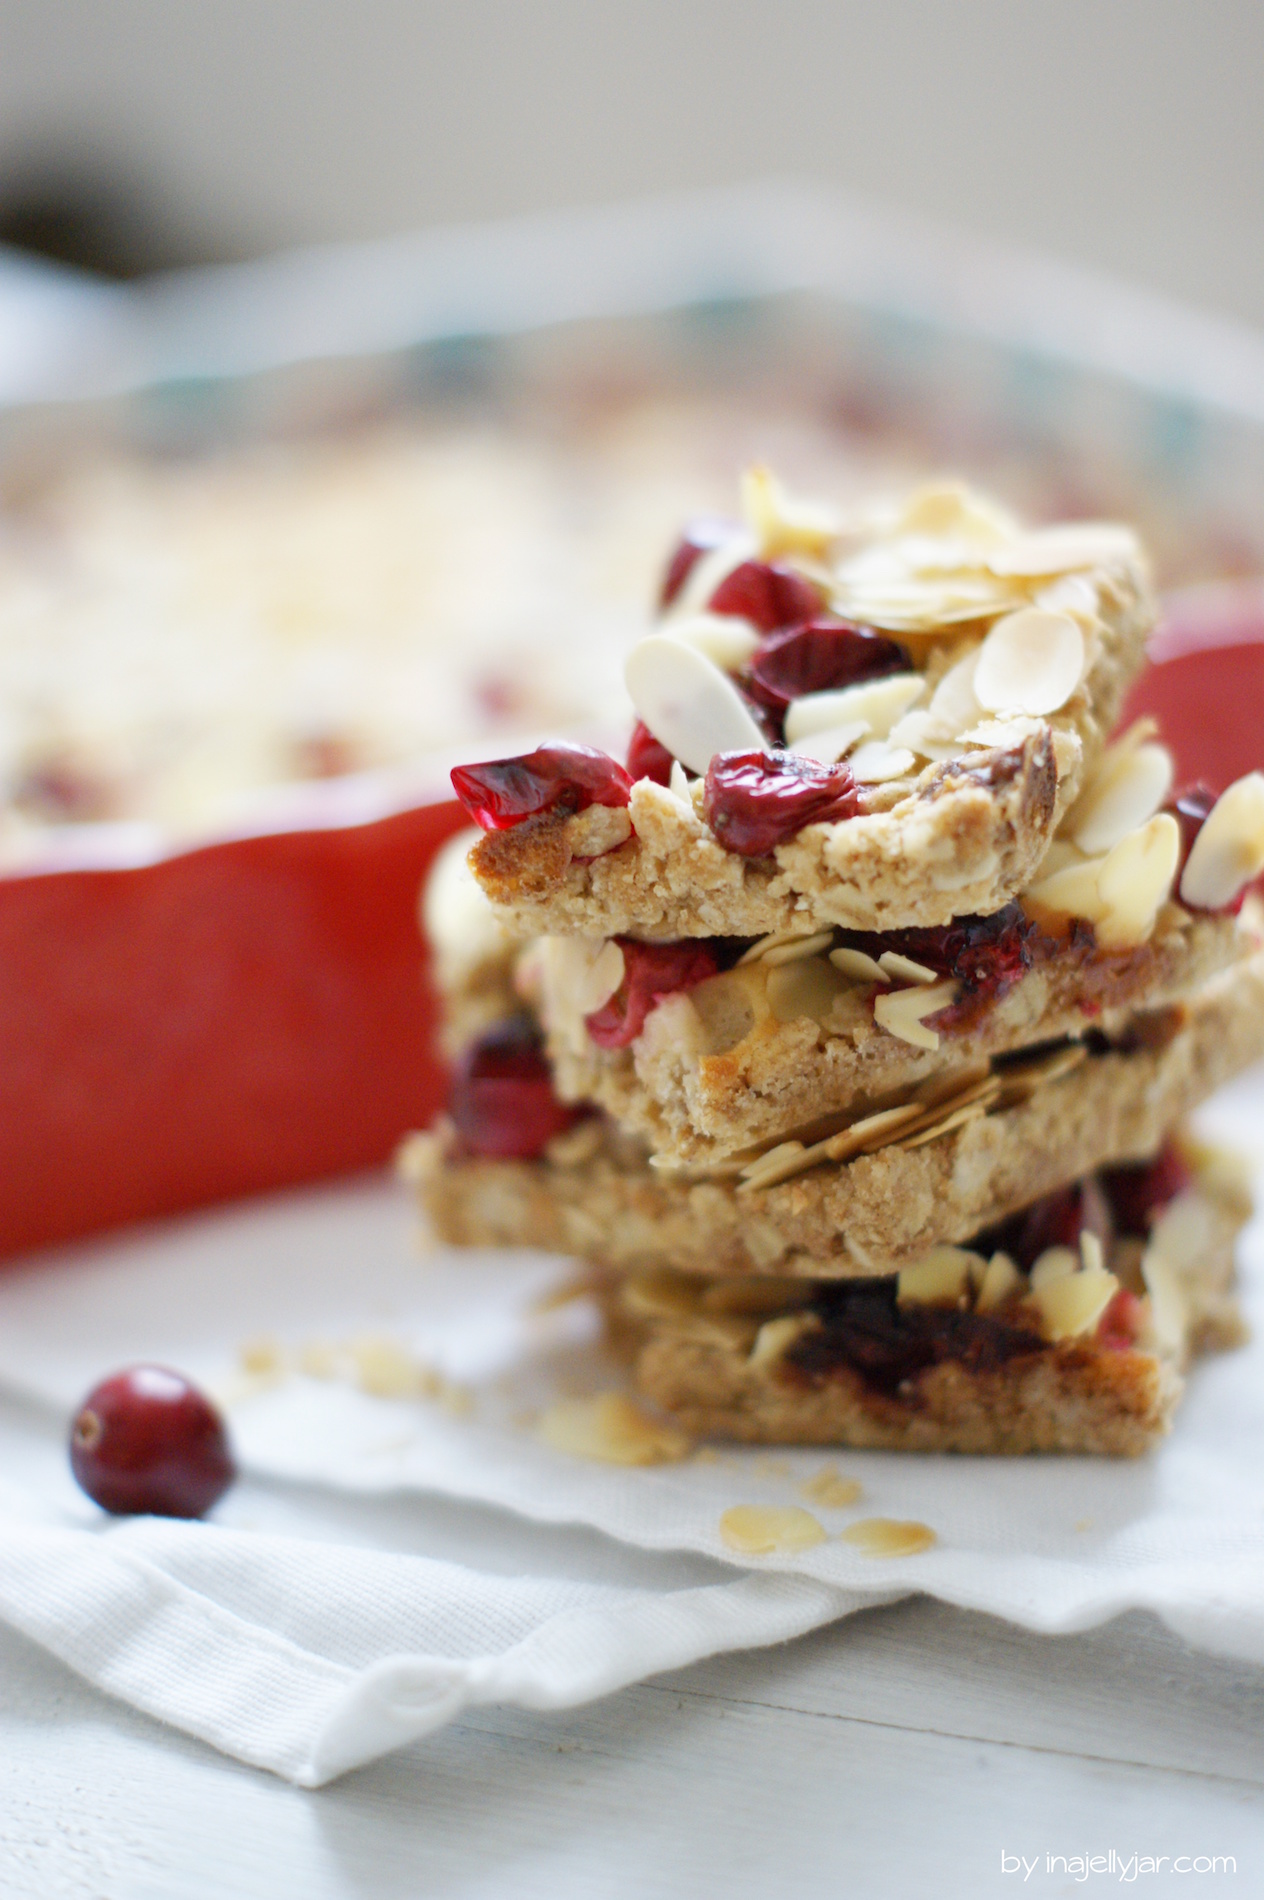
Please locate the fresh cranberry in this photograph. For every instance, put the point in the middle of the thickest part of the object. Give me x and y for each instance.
(651, 971)
(1139, 1190)
(147, 1441)
(647, 758)
(501, 1100)
(817, 656)
(553, 777)
(1121, 1322)
(698, 539)
(987, 955)
(754, 801)
(768, 596)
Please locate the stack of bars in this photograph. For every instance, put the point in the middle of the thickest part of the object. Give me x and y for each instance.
(847, 1034)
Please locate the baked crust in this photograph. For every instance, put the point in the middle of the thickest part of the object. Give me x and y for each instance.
(596, 1196)
(961, 837)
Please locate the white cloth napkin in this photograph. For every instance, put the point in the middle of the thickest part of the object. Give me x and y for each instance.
(307, 1656)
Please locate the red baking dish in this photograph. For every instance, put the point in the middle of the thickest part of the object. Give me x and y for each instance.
(254, 1013)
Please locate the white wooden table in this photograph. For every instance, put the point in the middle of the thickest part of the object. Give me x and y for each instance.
(899, 1753)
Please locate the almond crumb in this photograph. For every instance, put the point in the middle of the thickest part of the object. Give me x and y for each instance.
(759, 1530)
(831, 1490)
(888, 1537)
(611, 1429)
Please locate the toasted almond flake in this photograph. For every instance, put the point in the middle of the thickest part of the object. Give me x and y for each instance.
(711, 567)
(1072, 1306)
(1055, 1263)
(1091, 1252)
(678, 784)
(1063, 549)
(876, 1129)
(1071, 891)
(940, 1091)
(388, 1370)
(1001, 1279)
(796, 948)
(1127, 788)
(902, 1012)
(969, 1112)
(776, 1336)
(875, 762)
(942, 1274)
(889, 1537)
(855, 963)
(1069, 594)
(1030, 662)
(1229, 850)
(659, 1293)
(1020, 1081)
(954, 705)
(830, 746)
(688, 704)
(781, 523)
(779, 1164)
(901, 967)
(831, 1490)
(1135, 882)
(760, 1530)
(1169, 1308)
(773, 941)
(612, 1430)
(726, 639)
(951, 507)
(876, 704)
(601, 979)
(806, 987)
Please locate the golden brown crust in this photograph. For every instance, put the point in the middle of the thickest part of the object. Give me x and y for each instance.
(871, 1214)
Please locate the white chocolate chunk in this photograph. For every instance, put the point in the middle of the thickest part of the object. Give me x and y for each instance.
(1127, 788)
(1030, 662)
(874, 703)
(689, 705)
(726, 639)
(902, 1013)
(1000, 1279)
(1073, 1305)
(876, 761)
(831, 745)
(1229, 850)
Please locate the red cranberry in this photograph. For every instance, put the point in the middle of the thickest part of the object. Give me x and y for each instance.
(698, 539)
(817, 656)
(754, 801)
(987, 955)
(501, 1100)
(147, 1441)
(1056, 1220)
(1139, 1190)
(766, 595)
(568, 778)
(647, 758)
(1121, 1322)
(651, 971)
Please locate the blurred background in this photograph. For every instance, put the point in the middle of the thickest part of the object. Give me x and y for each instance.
(143, 134)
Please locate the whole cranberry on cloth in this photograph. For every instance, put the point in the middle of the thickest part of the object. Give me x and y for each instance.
(504, 792)
(651, 971)
(501, 1100)
(145, 1441)
(754, 801)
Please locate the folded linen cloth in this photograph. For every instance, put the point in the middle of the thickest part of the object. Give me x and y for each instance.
(307, 1657)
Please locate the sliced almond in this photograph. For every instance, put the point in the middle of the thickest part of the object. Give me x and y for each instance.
(1073, 1305)
(1135, 882)
(952, 508)
(773, 941)
(873, 703)
(776, 1336)
(1001, 1278)
(1128, 787)
(1229, 850)
(806, 987)
(830, 746)
(941, 1123)
(710, 568)
(689, 705)
(875, 762)
(611, 1429)
(954, 705)
(601, 979)
(782, 523)
(797, 947)
(943, 1274)
(660, 1293)
(1169, 1307)
(862, 968)
(872, 1131)
(760, 1530)
(1030, 662)
(1055, 1263)
(831, 1490)
(1063, 549)
(779, 1164)
(1071, 891)
(902, 1013)
(904, 970)
(678, 784)
(1091, 1252)
(726, 639)
(889, 1537)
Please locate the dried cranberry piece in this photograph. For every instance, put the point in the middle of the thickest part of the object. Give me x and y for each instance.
(987, 955)
(569, 778)
(817, 656)
(754, 801)
(1056, 1220)
(146, 1441)
(1120, 1324)
(767, 595)
(501, 1100)
(651, 971)
(1139, 1190)
(698, 539)
(647, 757)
